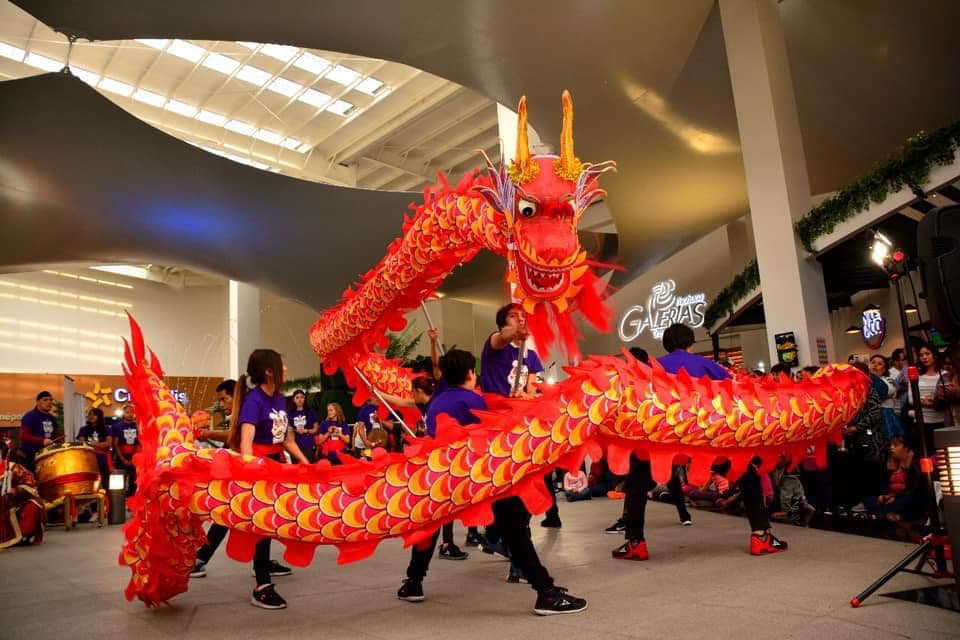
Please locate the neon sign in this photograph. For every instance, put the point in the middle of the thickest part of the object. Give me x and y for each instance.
(874, 328)
(664, 308)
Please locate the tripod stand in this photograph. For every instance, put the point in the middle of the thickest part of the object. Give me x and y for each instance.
(933, 549)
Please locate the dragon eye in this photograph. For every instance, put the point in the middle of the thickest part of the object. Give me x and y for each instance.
(526, 208)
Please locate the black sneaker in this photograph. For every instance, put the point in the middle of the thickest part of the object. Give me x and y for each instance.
(551, 523)
(616, 528)
(553, 601)
(199, 570)
(473, 540)
(266, 598)
(411, 591)
(452, 552)
(276, 570)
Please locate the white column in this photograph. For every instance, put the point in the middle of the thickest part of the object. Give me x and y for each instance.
(244, 310)
(794, 297)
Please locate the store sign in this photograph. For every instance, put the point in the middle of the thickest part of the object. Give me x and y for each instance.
(122, 395)
(874, 328)
(105, 396)
(664, 308)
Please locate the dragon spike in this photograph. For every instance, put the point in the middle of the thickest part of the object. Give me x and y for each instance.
(523, 168)
(137, 335)
(568, 166)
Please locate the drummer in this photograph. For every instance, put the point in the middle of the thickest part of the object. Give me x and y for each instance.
(124, 438)
(216, 434)
(37, 428)
(96, 435)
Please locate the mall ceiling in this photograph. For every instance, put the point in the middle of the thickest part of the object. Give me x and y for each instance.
(649, 79)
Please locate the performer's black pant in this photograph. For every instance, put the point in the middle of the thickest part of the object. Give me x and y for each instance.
(751, 493)
(639, 480)
(553, 513)
(512, 522)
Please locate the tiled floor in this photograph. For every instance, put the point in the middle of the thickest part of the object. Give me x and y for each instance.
(700, 582)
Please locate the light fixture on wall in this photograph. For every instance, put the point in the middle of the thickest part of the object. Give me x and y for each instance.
(909, 308)
(852, 330)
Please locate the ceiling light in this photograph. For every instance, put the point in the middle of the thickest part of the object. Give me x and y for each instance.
(241, 127)
(290, 143)
(309, 62)
(253, 75)
(909, 308)
(115, 86)
(284, 87)
(369, 86)
(12, 52)
(220, 63)
(87, 76)
(853, 330)
(42, 62)
(149, 97)
(211, 118)
(125, 270)
(314, 97)
(342, 75)
(181, 108)
(281, 52)
(268, 136)
(154, 43)
(304, 148)
(186, 50)
(340, 107)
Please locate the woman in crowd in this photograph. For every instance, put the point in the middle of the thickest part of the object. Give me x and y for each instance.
(333, 438)
(96, 435)
(933, 383)
(903, 498)
(305, 425)
(888, 400)
(259, 426)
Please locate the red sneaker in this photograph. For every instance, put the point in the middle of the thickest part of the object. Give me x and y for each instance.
(767, 543)
(631, 550)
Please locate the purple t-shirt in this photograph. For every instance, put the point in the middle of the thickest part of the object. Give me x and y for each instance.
(498, 368)
(40, 425)
(125, 434)
(303, 420)
(365, 414)
(267, 414)
(94, 434)
(456, 403)
(696, 365)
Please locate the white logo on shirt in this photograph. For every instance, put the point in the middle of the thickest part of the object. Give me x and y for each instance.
(130, 435)
(280, 425)
(299, 422)
(524, 374)
(47, 428)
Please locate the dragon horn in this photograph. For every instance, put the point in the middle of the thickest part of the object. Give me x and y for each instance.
(568, 166)
(523, 168)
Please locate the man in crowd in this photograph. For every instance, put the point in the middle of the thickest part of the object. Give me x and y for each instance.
(37, 428)
(126, 443)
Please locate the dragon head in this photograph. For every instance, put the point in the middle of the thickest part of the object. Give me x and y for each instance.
(542, 197)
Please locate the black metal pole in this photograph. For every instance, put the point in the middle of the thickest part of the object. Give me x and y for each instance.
(920, 551)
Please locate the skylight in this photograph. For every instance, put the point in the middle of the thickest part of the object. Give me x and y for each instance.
(186, 50)
(253, 75)
(284, 87)
(42, 62)
(221, 64)
(149, 97)
(239, 126)
(340, 107)
(115, 86)
(342, 75)
(268, 136)
(280, 52)
(211, 118)
(154, 43)
(314, 98)
(125, 270)
(12, 52)
(290, 143)
(369, 86)
(311, 63)
(181, 108)
(87, 76)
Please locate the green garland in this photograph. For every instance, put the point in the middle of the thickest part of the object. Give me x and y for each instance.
(909, 167)
(725, 301)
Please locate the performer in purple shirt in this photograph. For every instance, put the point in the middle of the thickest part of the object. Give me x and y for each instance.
(508, 359)
(37, 427)
(510, 517)
(304, 423)
(124, 438)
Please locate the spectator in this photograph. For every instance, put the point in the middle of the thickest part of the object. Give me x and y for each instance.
(575, 485)
(888, 399)
(22, 504)
(125, 440)
(815, 477)
(951, 390)
(305, 425)
(333, 438)
(793, 499)
(898, 362)
(903, 498)
(37, 429)
(215, 435)
(95, 434)
(933, 383)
